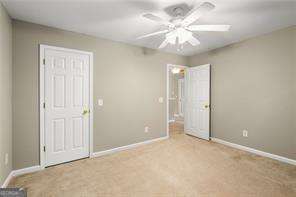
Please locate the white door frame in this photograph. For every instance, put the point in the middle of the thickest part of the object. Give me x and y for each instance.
(42, 48)
(180, 81)
(168, 66)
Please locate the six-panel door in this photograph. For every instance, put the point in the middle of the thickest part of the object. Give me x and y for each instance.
(197, 105)
(67, 105)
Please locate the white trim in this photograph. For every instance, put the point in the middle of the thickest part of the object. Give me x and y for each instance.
(32, 169)
(167, 100)
(168, 66)
(26, 170)
(180, 98)
(91, 105)
(19, 172)
(122, 148)
(255, 151)
(171, 121)
(176, 66)
(41, 101)
(42, 48)
(7, 180)
(22, 171)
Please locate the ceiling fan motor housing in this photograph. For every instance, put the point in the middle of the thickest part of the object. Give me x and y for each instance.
(179, 10)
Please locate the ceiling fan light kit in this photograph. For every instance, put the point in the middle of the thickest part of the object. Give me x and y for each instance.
(176, 70)
(180, 30)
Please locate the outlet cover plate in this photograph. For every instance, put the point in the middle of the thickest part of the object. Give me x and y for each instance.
(245, 133)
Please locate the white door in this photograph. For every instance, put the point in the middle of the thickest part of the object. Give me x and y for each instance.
(181, 97)
(67, 104)
(197, 105)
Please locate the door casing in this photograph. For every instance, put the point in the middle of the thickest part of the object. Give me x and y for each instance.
(42, 48)
(181, 92)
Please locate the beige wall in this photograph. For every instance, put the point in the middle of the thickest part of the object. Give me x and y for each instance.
(129, 79)
(294, 84)
(5, 94)
(253, 88)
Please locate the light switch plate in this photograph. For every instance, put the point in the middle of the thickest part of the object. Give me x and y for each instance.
(6, 159)
(160, 99)
(100, 102)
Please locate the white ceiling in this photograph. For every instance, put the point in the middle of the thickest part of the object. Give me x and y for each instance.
(121, 20)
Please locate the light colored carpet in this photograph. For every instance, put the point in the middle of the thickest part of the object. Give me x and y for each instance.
(181, 166)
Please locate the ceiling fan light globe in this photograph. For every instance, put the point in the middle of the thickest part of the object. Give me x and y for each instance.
(176, 70)
(183, 35)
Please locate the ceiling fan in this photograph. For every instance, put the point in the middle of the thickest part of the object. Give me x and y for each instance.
(180, 30)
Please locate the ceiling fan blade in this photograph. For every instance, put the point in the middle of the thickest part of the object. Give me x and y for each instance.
(171, 37)
(197, 12)
(154, 34)
(193, 41)
(155, 18)
(208, 28)
(163, 44)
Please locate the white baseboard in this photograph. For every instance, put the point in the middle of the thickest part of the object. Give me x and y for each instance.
(114, 150)
(19, 172)
(255, 151)
(7, 180)
(26, 170)
(22, 171)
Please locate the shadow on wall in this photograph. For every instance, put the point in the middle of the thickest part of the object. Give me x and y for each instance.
(147, 51)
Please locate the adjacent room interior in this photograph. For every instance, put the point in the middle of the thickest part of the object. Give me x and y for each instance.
(175, 97)
(148, 98)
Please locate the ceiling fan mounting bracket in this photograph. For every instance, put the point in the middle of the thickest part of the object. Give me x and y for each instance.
(179, 10)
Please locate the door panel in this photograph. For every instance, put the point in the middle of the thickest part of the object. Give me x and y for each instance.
(78, 133)
(66, 96)
(58, 133)
(197, 101)
(58, 91)
(78, 91)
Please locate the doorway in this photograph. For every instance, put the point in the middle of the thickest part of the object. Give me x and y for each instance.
(176, 93)
(65, 105)
(189, 100)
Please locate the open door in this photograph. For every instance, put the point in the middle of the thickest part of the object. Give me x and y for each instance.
(197, 101)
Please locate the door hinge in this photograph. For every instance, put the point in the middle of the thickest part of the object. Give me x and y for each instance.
(44, 61)
(44, 105)
(44, 148)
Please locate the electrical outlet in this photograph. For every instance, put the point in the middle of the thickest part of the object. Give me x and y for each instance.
(146, 129)
(245, 133)
(6, 159)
